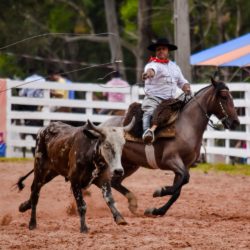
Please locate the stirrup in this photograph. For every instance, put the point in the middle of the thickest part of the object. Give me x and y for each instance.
(148, 136)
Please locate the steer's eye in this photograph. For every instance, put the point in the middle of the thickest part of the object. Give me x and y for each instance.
(106, 145)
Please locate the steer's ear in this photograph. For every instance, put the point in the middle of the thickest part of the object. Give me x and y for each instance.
(91, 134)
(92, 131)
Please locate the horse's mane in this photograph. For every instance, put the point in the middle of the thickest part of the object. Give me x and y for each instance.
(202, 89)
(218, 87)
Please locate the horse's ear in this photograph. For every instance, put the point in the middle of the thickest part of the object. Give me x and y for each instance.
(213, 81)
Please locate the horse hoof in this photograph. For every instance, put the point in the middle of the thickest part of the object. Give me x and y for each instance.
(121, 221)
(132, 201)
(157, 193)
(149, 212)
(133, 209)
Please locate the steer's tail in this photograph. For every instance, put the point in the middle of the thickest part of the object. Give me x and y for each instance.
(20, 184)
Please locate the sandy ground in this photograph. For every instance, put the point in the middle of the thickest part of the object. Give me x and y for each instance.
(213, 212)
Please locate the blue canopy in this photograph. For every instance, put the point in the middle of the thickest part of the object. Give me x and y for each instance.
(235, 52)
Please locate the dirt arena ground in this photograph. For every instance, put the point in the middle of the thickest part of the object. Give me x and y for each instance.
(213, 212)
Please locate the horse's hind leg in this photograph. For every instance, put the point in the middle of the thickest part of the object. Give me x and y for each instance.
(116, 184)
(132, 200)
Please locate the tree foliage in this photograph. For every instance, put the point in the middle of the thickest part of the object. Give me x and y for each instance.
(211, 22)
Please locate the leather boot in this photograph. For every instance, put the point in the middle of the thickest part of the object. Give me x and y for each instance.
(148, 135)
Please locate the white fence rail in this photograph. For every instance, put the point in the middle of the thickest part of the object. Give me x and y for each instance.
(85, 108)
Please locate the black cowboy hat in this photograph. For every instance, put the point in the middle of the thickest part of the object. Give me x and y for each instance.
(162, 42)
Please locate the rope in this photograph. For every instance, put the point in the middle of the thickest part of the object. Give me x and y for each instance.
(71, 71)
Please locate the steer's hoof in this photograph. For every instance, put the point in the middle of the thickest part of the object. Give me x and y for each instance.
(84, 230)
(32, 225)
(121, 221)
(24, 206)
(149, 212)
(157, 193)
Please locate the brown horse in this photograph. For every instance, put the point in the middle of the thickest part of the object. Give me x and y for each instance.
(178, 153)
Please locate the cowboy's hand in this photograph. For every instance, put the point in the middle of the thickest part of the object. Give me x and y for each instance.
(186, 89)
(148, 74)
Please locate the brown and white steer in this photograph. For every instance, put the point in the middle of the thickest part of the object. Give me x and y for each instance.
(83, 155)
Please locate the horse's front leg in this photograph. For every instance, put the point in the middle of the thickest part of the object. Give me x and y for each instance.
(179, 181)
(107, 195)
(181, 178)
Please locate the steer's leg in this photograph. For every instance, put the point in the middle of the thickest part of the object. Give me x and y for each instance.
(27, 204)
(81, 205)
(35, 189)
(40, 178)
(181, 178)
(107, 194)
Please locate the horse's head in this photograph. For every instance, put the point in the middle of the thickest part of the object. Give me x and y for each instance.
(223, 105)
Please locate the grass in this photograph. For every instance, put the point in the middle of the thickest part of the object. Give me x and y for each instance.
(237, 169)
(5, 159)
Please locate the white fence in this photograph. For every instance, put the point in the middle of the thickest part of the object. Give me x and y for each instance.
(85, 109)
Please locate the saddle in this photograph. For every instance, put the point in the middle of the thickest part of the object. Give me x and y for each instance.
(164, 117)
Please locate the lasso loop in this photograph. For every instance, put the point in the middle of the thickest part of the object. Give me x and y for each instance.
(67, 72)
(53, 34)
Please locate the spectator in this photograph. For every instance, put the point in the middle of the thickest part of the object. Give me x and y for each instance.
(116, 81)
(2, 145)
(56, 76)
(31, 93)
(28, 92)
(241, 144)
(71, 93)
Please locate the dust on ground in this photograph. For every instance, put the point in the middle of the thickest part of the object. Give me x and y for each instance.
(213, 212)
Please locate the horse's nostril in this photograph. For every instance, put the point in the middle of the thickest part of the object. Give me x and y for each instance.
(118, 172)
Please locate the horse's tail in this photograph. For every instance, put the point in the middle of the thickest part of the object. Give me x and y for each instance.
(20, 184)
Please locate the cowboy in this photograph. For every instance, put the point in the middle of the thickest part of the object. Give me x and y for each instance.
(161, 77)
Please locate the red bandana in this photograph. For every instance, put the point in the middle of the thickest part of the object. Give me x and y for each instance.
(155, 59)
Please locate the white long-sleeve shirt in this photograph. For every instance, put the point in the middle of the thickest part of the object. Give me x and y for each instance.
(165, 81)
(32, 92)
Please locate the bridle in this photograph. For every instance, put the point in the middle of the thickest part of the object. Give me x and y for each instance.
(210, 122)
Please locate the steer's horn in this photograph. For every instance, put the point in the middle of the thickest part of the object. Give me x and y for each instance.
(94, 127)
(130, 125)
